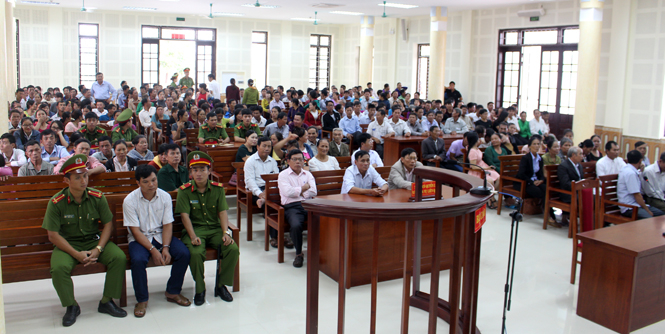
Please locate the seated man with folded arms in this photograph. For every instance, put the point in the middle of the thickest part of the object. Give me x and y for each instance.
(653, 183)
(203, 208)
(366, 143)
(35, 166)
(172, 175)
(72, 221)
(82, 146)
(296, 185)
(629, 189)
(148, 215)
(401, 173)
(358, 179)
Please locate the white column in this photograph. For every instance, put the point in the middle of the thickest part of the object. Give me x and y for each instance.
(591, 25)
(366, 50)
(437, 52)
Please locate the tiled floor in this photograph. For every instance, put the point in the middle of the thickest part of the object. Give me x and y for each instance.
(272, 296)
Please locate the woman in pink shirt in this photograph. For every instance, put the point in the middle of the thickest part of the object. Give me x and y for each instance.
(475, 156)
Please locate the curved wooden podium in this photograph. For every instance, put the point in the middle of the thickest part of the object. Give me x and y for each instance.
(458, 211)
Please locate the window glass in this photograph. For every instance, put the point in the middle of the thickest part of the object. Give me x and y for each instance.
(150, 32)
(510, 38)
(571, 36)
(540, 37)
(88, 30)
(206, 35)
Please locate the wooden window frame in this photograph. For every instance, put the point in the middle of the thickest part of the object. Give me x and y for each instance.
(318, 47)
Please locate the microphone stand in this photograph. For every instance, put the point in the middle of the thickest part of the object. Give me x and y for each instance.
(512, 252)
(483, 190)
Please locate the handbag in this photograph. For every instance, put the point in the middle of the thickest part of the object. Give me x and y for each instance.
(234, 179)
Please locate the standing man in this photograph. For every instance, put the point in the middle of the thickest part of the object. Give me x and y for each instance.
(102, 90)
(380, 129)
(202, 205)
(77, 240)
(172, 175)
(537, 125)
(232, 92)
(124, 129)
(211, 132)
(213, 87)
(251, 95)
(452, 93)
(296, 185)
(148, 215)
(186, 81)
(35, 166)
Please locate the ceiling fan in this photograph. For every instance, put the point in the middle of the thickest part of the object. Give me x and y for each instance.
(212, 15)
(257, 4)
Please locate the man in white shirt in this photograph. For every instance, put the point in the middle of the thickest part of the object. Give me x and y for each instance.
(148, 215)
(100, 111)
(512, 117)
(653, 183)
(399, 126)
(455, 125)
(13, 156)
(365, 140)
(276, 101)
(213, 87)
(537, 124)
(610, 163)
(365, 118)
(257, 118)
(379, 129)
(359, 178)
(366, 99)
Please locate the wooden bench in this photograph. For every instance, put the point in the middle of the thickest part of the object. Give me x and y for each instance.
(608, 209)
(192, 136)
(553, 194)
(327, 183)
(30, 187)
(222, 170)
(344, 162)
(244, 200)
(510, 165)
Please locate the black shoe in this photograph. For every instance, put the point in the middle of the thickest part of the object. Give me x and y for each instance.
(111, 308)
(200, 298)
(224, 293)
(288, 244)
(71, 314)
(298, 261)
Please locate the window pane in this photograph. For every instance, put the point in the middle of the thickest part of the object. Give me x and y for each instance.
(87, 58)
(88, 30)
(178, 33)
(325, 40)
(424, 50)
(571, 36)
(510, 38)
(206, 35)
(88, 43)
(313, 40)
(258, 37)
(150, 32)
(540, 37)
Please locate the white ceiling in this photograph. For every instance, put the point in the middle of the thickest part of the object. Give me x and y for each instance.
(288, 9)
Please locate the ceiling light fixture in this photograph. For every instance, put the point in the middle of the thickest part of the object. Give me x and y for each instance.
(41, 3)
(138, 8)
(397, 5)
(259, 6)
(345, 13)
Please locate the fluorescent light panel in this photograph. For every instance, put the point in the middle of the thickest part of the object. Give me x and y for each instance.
(139, 8)
(345, 13)
(302, 19)
(262, 6)
(398, 5)
(227, 14)
(40, 3)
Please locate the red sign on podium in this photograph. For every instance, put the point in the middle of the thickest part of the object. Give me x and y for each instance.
(429, 188)
(481, 218)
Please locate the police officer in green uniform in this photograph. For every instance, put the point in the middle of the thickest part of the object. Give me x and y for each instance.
(91, 131)
(240, 130)
(211, 132)
(72, 219)
(186, 81)
(172, 175)
(202, 205)
(124, 130)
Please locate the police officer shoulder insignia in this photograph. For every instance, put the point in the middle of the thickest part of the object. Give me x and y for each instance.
(100, 130)
(95, 193)
(186, 185)
(217, 184)
(58, 199)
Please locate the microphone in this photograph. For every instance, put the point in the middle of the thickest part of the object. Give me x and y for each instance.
(483, 190)
(650, 186)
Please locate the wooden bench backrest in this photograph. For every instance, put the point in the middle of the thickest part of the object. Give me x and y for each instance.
(589, 170)
(364, 127)
(192, 137)
(344, 162)
(29, 187)
(329, 182)
(272, 190)
(551, 176)
(510, 164)
(230, 132)
(240, 170)
(21, 227)
(608, 186)
(222, 160)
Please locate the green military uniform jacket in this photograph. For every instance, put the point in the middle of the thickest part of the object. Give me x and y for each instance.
(93, 135)
(239, 131)
(127, 135)
(169, 179)
(77, 222)
(185, 81)
(202, 208)
(207, 133)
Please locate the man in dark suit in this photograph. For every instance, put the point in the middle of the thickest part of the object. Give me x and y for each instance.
(337, 148)
(570, 170)
(433, 148)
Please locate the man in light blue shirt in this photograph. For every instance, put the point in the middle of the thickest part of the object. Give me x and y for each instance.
(359, 178)
(51, 152)
(102, 90)
(629, 189)
(350, 125)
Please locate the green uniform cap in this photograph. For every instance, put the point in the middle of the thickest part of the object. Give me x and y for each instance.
(198, 157)
(125, 115)
(75, 164)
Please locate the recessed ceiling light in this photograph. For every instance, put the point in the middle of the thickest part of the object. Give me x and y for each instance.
(398, 5)
(345, 13)
(40, 3)
(227, 14)
(302, 19)
(262, 6)
(138, 8)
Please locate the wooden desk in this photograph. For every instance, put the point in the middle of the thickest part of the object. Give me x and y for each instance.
(391, 242)
(622, 278)
(393, 146)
